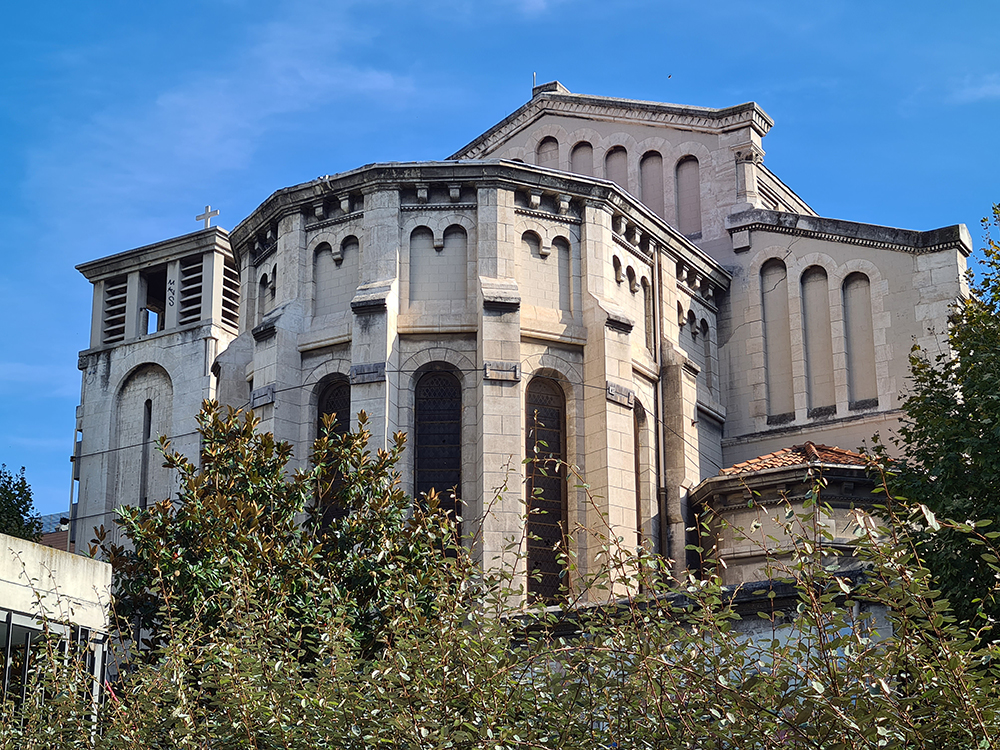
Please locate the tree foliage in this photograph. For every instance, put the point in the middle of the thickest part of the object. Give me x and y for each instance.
(244, 533)
(950, 447)
(382, 633)
(17, 511)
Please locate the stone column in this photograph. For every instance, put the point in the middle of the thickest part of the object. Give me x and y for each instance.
(97, 316)
(172, 305)
(748, 157)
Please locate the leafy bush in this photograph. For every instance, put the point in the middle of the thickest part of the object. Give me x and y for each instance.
(380, 632)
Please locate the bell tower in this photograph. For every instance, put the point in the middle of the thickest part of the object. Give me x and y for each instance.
(161, 314)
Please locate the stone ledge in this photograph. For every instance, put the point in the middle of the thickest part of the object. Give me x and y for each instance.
(837, 230)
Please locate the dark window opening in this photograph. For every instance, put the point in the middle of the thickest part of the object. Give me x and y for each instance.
(155, 281)
(546, 482)
(334, 399)
(438, 452)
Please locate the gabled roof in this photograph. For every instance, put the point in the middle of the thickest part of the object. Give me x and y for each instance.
(553, 97)
(807, 454)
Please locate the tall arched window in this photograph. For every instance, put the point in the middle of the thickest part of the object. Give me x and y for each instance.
(564, 259)
(137, 476)
(262, 306)
(818, 341)
(706, 342)
(616, 166)
(651, 181)
(688, 192)
(777, 339)
(335, 398)
(638, 425)
(647, 310)
(860, 334)
(438, 439)
(324, 280)
(547, 153)
(581, 159)
(546, 487)
(422, 282)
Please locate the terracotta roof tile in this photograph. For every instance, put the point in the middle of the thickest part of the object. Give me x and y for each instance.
(798, 455)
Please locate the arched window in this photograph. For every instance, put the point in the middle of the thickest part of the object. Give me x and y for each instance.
(581, 159)
(324, 269)
(561, 249)
(547, 153)
(818, 341)
(647, 309)
(335, 398)
(262, 297)
(688, 192)
(706, 341)
(438, 439)
(422, 286)
(638, 426)
(651, 181)
(861, 382)
(616, 166)
(633, 285)
(532, 243)
(546, 487)
(777, 340)
(136, 475)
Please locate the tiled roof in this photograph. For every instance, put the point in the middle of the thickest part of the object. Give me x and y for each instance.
(798, 455)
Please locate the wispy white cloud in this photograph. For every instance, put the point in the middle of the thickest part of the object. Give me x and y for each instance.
(212, 120)
(975, 89)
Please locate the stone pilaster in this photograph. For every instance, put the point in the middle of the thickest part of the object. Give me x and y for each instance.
(501, 440)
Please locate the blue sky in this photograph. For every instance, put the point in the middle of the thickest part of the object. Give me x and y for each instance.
(119, 121)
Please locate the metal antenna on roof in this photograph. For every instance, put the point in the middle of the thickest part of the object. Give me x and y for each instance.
(534, 79)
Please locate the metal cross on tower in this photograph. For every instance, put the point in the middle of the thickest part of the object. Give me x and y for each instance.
(207, 216)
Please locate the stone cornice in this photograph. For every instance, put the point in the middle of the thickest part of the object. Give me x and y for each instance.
(195, 242)
(910, 241)
(495, 173)
(702, 119)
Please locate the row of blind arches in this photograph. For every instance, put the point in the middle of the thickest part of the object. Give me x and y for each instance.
(817, 340)
(438, 463)
(687, 178)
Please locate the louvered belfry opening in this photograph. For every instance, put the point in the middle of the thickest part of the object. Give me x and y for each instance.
(335, 399)
(438, 452)
(546, 487)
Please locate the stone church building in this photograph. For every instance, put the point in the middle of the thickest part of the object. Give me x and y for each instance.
(621, 284)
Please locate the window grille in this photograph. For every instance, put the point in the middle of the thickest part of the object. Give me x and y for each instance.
(231, 293)
(438, 453)
(335, 399)
(190, 298)
(114, 310)
(546, 483)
